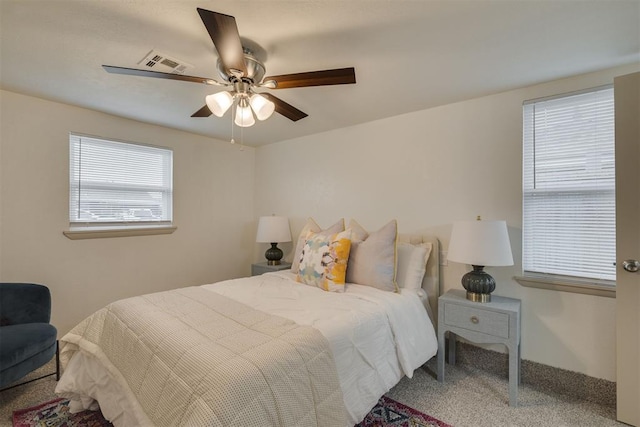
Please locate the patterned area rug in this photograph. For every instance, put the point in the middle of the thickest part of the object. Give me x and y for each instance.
(386, 413)
(55, 413)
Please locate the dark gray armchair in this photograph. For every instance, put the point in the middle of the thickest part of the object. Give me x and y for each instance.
(27, 339)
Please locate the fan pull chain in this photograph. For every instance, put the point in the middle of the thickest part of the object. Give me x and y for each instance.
(233, 141)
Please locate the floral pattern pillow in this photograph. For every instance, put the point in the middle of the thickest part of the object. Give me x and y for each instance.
(311, 225)
(323, 261)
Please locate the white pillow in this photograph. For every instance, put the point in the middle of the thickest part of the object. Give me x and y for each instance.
(312, 226)
(412, 264)
(372, 261)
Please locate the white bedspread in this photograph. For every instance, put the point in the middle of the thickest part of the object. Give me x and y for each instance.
(376, 336)
(190, 357)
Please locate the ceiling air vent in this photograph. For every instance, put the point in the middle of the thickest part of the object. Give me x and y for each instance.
(157, 61)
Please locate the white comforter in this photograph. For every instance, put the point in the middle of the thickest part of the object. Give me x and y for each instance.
(376, 337)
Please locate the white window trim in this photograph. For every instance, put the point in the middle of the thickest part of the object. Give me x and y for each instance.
(95, 233)
(95, 230)
(568, 284)
(586, 286)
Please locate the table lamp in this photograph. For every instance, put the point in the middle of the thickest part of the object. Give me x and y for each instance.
(480, 243)
(273, 229)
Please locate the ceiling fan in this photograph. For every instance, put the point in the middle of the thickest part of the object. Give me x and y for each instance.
(240, 69)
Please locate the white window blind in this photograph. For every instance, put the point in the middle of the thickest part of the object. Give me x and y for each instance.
(569, 185)
(118, 183)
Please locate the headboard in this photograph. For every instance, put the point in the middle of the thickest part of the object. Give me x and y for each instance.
(431, 280)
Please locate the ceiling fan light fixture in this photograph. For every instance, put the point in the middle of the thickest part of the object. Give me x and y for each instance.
(244, 116)
(263, 107)
(219, 102)
(240, 69)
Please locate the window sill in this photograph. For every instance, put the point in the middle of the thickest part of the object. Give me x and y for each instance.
(576, 286)
(97, 233)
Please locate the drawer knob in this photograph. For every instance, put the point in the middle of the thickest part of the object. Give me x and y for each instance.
(475, 320)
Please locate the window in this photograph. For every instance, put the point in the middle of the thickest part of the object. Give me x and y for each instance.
(569, 186)
(116, 184)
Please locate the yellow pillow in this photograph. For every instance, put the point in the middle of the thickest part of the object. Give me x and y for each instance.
(323, 262)
(311, 225)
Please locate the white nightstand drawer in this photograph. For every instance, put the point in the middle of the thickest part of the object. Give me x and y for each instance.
(486, 322)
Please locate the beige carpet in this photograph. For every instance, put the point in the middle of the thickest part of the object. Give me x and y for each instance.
(470, 397)
(29, 394)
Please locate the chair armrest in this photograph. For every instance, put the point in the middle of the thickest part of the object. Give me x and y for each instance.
(24, 303)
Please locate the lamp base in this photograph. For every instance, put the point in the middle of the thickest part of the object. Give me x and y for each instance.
(472, 296)
(274, 254)
(479, 284)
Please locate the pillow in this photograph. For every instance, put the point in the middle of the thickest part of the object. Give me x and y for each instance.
(412, 264)
(373, 256)
(324, 260)
(302, 237)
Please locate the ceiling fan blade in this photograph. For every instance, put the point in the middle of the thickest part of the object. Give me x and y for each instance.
(145, 73)
(224, 34)
(339, 76)
(285, 109)
(203, 112)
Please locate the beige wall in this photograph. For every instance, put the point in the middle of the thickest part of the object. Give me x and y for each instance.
(213, 210)
(427, 169)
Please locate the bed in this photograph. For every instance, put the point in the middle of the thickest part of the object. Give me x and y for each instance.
(299, 355)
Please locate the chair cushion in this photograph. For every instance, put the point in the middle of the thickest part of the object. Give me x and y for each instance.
(21, 342)
(24, 303)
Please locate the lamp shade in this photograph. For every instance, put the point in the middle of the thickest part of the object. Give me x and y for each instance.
(244, 116)
(273, 229)
(262, 106)
(484, 243)
(219, 102)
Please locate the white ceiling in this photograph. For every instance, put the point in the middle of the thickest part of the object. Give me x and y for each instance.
(408, 55)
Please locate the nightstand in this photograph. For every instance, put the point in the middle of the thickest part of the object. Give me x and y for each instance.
(495, 322)
(262, 267)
